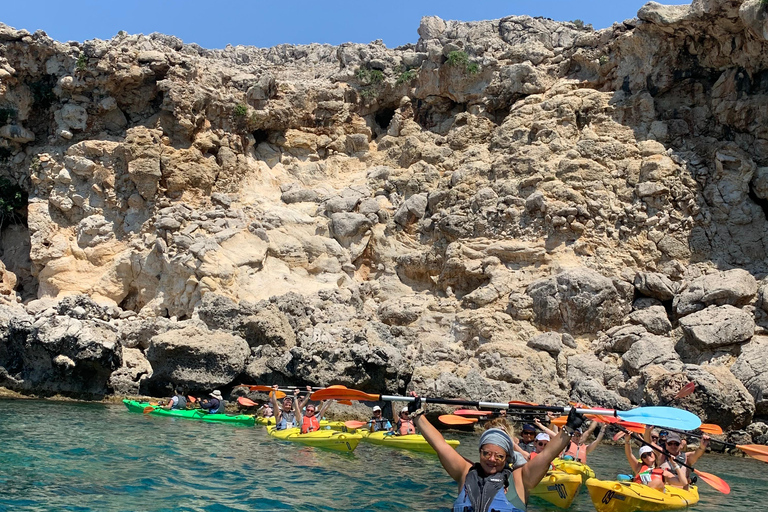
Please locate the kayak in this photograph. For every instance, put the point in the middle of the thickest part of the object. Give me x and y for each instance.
(558, 488)
(190, 414)
(613, 496)
(412, 442)
(328, 439)
(334, 425)
(574, 467)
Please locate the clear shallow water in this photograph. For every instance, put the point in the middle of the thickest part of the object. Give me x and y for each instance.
(87, 457)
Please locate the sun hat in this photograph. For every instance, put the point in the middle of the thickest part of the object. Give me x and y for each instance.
(543, 437)
(217, 394)
(404, 409)
(645, 449)
(376, 408)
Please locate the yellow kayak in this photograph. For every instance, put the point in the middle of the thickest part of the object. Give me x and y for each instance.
(334, 425)
(558, 488)
(612, 496)
(412, 442)
(328, 439)
(574, 467)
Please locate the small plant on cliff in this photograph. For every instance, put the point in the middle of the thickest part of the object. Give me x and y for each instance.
(405, 76)
(12, 198)
(458, 58)
(369, 76)
(241, 110)
(82, 62)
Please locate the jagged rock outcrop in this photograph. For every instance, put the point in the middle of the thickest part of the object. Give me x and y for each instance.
(514, 208)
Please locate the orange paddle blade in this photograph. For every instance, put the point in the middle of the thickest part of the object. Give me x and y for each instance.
(517, 402)
(246, 402)
(711, 428)
(343, 394)
(715, 481)
(757, 451)
(559, 421)
(148, 409)
(637, 428)
(619, 435)
(450, 419)
(191, 399)
(471, 412)
(354, 424)
(686, 391)
(345, 402)
(278, 394)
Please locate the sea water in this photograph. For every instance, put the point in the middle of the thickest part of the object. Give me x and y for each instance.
(91, 457)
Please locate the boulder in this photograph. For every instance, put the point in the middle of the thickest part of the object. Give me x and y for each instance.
(592, 392)
(654, 319)
(655, 285)
(651, 349)
(550, 342)
(751, 368)
(736, 287)
(718, 326)
(719, 397)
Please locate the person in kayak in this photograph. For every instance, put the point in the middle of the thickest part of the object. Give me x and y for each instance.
(265, 411)
(310, 418)
(674, 447)
(527, 443)
(285, 415)
(577, 450)
(492, 483)
(177, 401)
(215, 404)
(378, 421)
(645, 469)
(405, 424)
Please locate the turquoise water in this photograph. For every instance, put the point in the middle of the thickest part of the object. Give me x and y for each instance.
(88, 457)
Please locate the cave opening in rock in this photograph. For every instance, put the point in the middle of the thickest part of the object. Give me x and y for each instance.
(260, 136)
(759, 201)
(383, 117)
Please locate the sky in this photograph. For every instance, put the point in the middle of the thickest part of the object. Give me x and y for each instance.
(214, 24)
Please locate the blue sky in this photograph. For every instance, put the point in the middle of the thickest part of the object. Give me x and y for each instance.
(213, 24)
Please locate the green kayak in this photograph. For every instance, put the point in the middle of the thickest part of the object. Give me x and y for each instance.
(191, 414)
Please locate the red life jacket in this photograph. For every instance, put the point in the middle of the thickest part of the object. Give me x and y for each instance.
(646, 475)
(577, 451)
(309, 424)
(405, 427)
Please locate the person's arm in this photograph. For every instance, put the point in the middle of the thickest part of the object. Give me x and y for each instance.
(647, 433)
(454, 464)
(525, 454)
(297, 409)
(305, 401)
(323, 406)
(169, 405)
(692, 457)
(275, 409)
(676, 478)
(633, 462)
(591, 428)
(591, 446)
(538, 466)
(552, 434)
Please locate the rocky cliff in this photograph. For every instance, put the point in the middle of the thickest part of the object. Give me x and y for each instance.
(516, 208)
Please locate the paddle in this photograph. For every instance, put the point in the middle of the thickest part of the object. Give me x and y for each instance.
(713, 480)
(355, 424)
(471, 412)
(757, 451)
(450, 419)
(664, 416)
(686, 390)
(246, 402)
(148, 409)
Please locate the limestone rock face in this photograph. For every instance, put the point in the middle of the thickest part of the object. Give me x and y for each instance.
(505, 209)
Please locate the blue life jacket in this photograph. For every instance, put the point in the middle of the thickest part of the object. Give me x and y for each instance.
(486, 494)
(287, 420)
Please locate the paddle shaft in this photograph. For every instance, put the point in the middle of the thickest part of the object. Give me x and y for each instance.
(499, 405)
(657, 448)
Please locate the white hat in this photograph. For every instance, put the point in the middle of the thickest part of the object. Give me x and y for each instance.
(543, 437)
(645, 449)
(376, 408)
(216, 394)
(405, 409)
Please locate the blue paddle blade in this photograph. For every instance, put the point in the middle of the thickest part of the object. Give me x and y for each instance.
(669, 417)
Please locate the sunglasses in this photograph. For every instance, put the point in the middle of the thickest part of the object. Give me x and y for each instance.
(492, 456)
(673, 443)
(526, 433)
(648, 454)
(654, 438)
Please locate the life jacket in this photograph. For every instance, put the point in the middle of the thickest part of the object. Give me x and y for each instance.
(576, 451)
(534, 454)
(215, 406)
(681, 458)
(527, 447)
(405, 427)
(380, 424)
(287, 420)
(647, 474)
(488, 494)
(309, 424)
(179, 403)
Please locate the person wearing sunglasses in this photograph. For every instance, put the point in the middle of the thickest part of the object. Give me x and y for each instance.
(378, 421)
(527, 443)
(577, 449)
(493, 483)
(645, 469)
(674, 446)
(310, 418)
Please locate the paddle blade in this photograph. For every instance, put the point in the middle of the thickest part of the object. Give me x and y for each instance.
(669, 417)
(278, 394)
(148, 409)
(756, 451)
(345, 402)
(686, 391)
(637, 428)
(191, 398)
(354, 424)
(715, 481)
(246, 402)
(450, 419)
(471, 412)
(513, 403)
(559, 421)
(711, 428)
(619, 435)
(343, 394)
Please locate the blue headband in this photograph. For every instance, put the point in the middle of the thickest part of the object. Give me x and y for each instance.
(499, 438)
